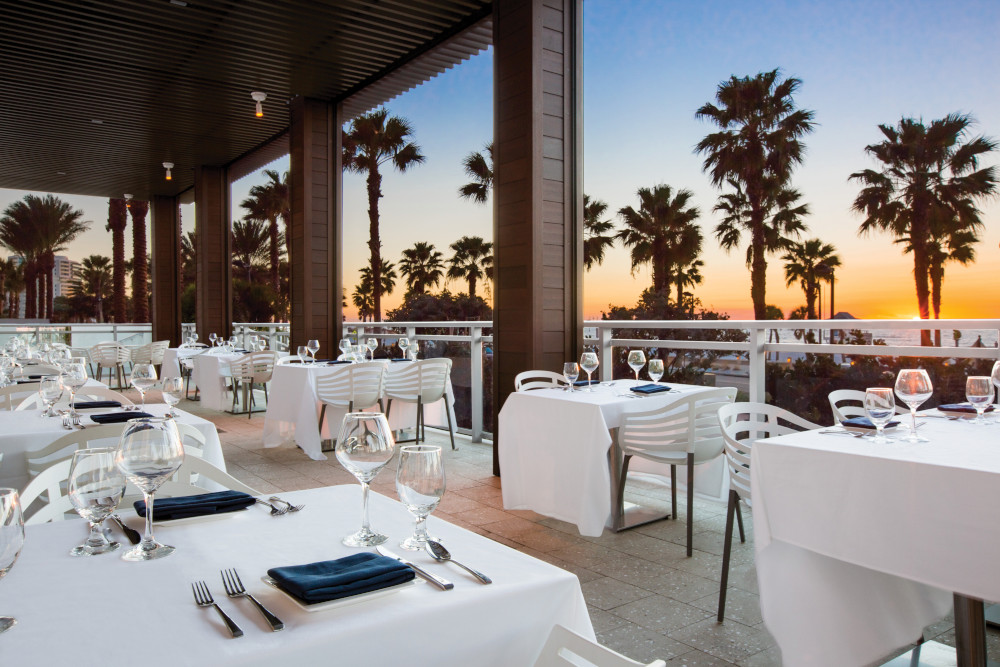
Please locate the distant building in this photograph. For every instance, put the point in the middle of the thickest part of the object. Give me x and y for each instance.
(62, 275)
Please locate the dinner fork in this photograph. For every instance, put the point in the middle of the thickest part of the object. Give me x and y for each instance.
(203, 598)
(275, 510)
(291, 507)
(235, 589)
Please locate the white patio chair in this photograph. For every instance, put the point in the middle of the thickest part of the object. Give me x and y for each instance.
(189, 480)
(684, 432)
(45, 499)
(565, 648)
(143, 354)
(156, 351)
(12, 395)
(249, 370)
(288, 359)
(62, 448)
(112, 356)
(529, 380)
(742, 424)
(848, 403)
(421, 382)
(357, 387)
(101, 393)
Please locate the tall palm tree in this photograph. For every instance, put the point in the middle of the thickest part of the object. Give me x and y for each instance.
(15, 284)
(596, 239)
(479, 167)
(189, 269)
(19, 233)
(423, 267)
(387, 278)
(373, 140)
(471, 260)
(140, 269)
(269, 203)
(924, 169)
(364, 298)
(93, 279)
(801, 262)
(117, 220)
(251, 241)
(755, 150)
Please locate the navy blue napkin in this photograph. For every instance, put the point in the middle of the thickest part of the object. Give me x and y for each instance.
(962, 407)
(91, 405)
(335, 363)
(650, 388)
(399, 359)
(26, 381)
(119, 417)
(584, 383)
(183, 507)
(341, 578)
(864, 422)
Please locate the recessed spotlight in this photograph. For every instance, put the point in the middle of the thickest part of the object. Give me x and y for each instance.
(60, 173)
(179, 3)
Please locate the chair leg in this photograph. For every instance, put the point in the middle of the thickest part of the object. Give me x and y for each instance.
(322, 416)
(451, 427)
(690, 467)
(381, 408)
(388, 407)
(739, 522)
(420, 414)
(734, 500)
(673, 492)
(620, 506)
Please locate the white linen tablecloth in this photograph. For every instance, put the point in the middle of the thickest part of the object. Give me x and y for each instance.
(861, 545)
(171, 360)
(293, 409)
(553, 448)
(209, 373)
(146, 610)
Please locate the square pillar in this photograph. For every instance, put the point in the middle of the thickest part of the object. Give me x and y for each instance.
(538, 189)
(316, 231)
(214, 285)
(165, 241)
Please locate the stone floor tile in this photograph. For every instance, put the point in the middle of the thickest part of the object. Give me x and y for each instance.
(604, 621)
(730, 641)
(607, 593)
(660, 614)
(641, 644)
(741, 606)
(697, 659)
(682, 586)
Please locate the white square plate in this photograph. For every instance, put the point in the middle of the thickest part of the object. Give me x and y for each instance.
(340, 602)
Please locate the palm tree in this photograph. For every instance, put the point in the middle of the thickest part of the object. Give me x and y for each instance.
(471, 260)
(140, 269)
(189, 269)
(269, 203)
(387, 277)
(755, 151)
(93, 280)
(423, 267)
(19, 233)
(595, 232)
(251, 244)
(374, 139)
(15, 284)
(117, 212)
(479, 168)
(801, 263)
(362, 299)
(924, 170)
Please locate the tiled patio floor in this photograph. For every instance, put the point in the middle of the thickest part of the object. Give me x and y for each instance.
(646, 599)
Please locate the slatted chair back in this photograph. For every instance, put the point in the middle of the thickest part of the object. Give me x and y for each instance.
(156, 351)
(62, 448)
(255, 367)
(45, 498)
(426, 379)
(848, 403)
(12, 396)
(565, 648)
(529, 380)
(357, 387)
(142, 354)
(689, 425)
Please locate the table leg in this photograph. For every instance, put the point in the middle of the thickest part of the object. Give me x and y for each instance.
(635, 515)
(970, 632)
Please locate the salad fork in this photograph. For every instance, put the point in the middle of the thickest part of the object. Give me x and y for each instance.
(203, 598)
(291, 507)
(235, 589)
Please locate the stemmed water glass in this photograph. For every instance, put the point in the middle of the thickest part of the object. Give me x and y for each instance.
(995, 376)
(171, 390)
(364, 446)
(913, 386)
(143, 379)
(73, 377)
(979, 392)
(303, 353)
(345, 348)
(213, 338)
(880, 406)
(372, 345)
(96, 486)
(50, 390)
(149, 452)
(420, 484)
(11, 539)
(636, 360)
(404, 343)
(589, 363)
(313, 346)
(655, 370)
(571, 371)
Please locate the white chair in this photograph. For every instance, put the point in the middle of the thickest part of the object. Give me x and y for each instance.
(288, 359)
(421, 382)
(529, 380)
(565, 648)
(12, 396)
(249, 370)
(742, 424)
(356, 387)
(47, 493)
(62, 448)
(101, 393)
(847, 403)
(157, 349)
(684, 432)
(39, 369)
(112, 356)
(188, 480)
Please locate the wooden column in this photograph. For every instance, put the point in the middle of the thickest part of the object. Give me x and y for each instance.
(165, 228)
(316, 177)
(214, 285)
(538, 191)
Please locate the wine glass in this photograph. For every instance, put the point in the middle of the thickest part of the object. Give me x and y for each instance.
(96, 486)
(50, 390)
(11, 539)
(345, 347)
(143, 379)
(636, 360)
(149, 452)
(364, 447)
(571, 371)
(880, 406)
(995, 376)
(404, 343)
(73, 377)
(979, 392)
(212, 338)
(420, 485)
(171, 389)
(913, 386)
(372, 345)
(655, 370)
(302, 353)
(313, 346)
(233, 341)
(589, 363)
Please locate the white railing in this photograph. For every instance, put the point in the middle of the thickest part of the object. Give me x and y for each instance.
(78, 336)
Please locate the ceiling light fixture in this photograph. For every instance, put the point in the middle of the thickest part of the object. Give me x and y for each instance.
(128, 200)
(168, 166)
(259, 97)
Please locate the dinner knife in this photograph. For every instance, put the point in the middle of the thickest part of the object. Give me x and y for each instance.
(133, 535)
(443, 584)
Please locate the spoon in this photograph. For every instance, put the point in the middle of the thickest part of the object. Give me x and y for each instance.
(439, 553)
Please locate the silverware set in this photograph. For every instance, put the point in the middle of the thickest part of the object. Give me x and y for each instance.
(234, 589)
(276, 504)
(438, 552)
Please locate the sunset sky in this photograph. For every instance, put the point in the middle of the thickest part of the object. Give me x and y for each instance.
(647, 67)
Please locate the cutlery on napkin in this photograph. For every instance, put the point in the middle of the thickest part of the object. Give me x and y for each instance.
(184, 507)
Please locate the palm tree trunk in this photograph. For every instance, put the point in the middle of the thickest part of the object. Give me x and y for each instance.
(936, 271)
(758, 272)
(810, 301)
(374, 243)
(472, 287)
(920, 277)
(272, 230)
(140, 270)
(117, 222)
(50, 267)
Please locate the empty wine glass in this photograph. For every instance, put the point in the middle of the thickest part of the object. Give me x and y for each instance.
(11, 539)
(420, 484)
(345, 347)
(995, 376)
(143, 379)
(404, 343)
(571, 371)
(636, 360)
(213, 338)
(72, 378)
(50, 390)
(171, 389)
(149, 453)
(913, 386)
(589, 363)
(655, 370)
(880, 406)
(303, 353)
(313, 346)
(233, 342)
(979, 392)
(364, 447)
(96, 486)
(372, 345)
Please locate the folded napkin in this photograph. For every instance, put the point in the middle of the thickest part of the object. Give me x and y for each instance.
(650, 388)
(584, 383)
(26, 382)
(324, 361)
(183, 507)
(119, 417)
(339, 361)
(91, 405)
(864, 422)
(39, 377)
(962, 407)
(335, 579)
(399, 359)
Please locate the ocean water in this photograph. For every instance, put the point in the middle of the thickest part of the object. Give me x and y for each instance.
(967, 338)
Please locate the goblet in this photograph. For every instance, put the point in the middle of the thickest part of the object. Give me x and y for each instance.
(655, 370)
(213, 338)
(636, 360)
(345, 347)
(73, 377)
(372, 345)
(303, 353)
(96, 486)
(880, 406)
(571, 371)
(420, 484)
(979, 392)
(313, 346)
(364, 446)
(11, 539)
(50, 390)
(143, 379)
(589, 363)
(913, 386)
(404, 343)
(171, 390)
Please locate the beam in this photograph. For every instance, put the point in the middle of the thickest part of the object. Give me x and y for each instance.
(165, 241)
(214, 285)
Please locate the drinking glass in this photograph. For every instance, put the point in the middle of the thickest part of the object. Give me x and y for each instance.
(571, 371)
(364, 447)
(372, 345)
(313, 346)
(979, 392)
(589, 363)
(880, 406)
(171, 390)
(143, 379)
(404, 343)
(233, 340)
(50, 390)
(345, 347)
(212, 338)
(149, 452)
(420, 484)
(995, 376)
(254, 341)
(96, 486)
(655, 370)
(913, 386)
(74, 377)
(303, 353)
(11, 539)
(636, 360)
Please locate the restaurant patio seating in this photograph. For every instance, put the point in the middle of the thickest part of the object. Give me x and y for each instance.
(46, 491)
(422, 382)
(150, 353)
(249, 370)
(529, 380)
(855, 404)
(566, 648)
(62, 448)
(357, 387)
(101, 393)
(112, 356)
(190, 480)
(12, 396)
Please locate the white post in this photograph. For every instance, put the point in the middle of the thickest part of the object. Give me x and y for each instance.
(606, 353)
(476, 350)
(758, 362)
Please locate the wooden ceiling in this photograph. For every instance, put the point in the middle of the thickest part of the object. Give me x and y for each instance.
(96, 95)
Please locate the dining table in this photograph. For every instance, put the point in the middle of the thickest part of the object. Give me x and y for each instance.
(860, 544)
(102, 608)
(558, 455)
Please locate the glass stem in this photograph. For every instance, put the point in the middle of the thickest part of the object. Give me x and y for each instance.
(96, 538)
(147, 540)
(420, 528)
(913, 416)
(364, 507)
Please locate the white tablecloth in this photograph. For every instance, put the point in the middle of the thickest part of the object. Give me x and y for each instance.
(860, 545)
(553, 448)
(146, 610)
(171, 357)
(293, 408)
(210, 373)
(24, 431)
